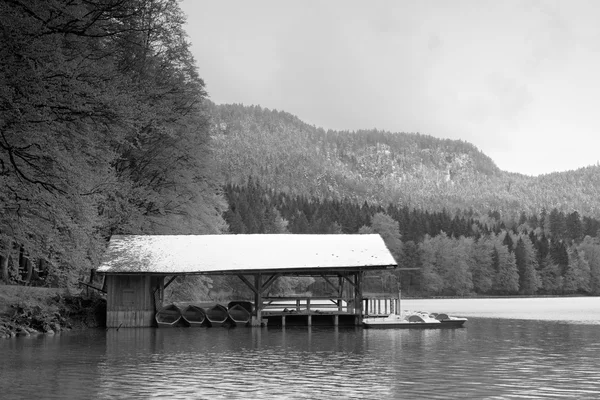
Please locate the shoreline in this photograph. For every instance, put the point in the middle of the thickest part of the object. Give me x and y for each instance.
(31, 311)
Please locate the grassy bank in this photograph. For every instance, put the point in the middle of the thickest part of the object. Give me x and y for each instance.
(27, 311)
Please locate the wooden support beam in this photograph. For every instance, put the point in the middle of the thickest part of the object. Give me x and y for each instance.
(248, 283)
(170, 281)
(269, 282)
(341, 293)
(358, 297)
(359, 287)
(258, 298)
(158, 294)
(92, 287)
(347, 278)
(336, 288)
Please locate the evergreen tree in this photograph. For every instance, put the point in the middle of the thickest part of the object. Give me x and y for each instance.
(300, 224)
(574, 227)
(389, 230)
(550, 276)
(526, 261)
(235, 222)
(558, 252)
(506, 279)
(482, 269)
(521, 262)
(577, 276)
(544, 222)
(508, 242)
(591, 227)
(533, 222)
(590, 249)
(458, 276)
(430, 279)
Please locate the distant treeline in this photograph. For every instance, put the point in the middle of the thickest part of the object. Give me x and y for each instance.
(457, 253)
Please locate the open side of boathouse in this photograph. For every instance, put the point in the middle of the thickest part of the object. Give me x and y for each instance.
(135, 268)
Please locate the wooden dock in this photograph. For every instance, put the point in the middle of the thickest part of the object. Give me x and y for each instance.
(323, 311)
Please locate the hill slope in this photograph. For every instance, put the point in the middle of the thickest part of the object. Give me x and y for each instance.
(382, 167)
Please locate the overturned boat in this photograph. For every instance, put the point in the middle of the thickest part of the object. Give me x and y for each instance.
(239, 315)
(168, 317)
(217, 315)
(195, 316)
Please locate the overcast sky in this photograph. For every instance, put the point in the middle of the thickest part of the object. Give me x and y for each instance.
(518, 79)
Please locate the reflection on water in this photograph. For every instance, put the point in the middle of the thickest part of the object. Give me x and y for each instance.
(490, 358)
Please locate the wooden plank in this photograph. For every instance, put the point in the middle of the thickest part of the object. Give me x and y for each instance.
(130, 301)
(129, 319)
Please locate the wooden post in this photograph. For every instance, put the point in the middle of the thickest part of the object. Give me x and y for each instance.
(258, 298)
(358, 294)
(309, 320)
(336, 320)
(341, 293)
(283, 321)
(399, 310)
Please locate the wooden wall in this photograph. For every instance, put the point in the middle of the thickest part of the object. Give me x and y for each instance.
(130, 300)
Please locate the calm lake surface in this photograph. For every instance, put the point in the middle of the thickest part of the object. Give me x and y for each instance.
(509, 348)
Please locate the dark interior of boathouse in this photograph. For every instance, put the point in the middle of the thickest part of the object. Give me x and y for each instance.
(138, 268)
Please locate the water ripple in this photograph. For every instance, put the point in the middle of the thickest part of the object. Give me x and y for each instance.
(491, 358)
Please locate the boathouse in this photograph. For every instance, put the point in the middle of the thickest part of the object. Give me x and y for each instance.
(136, 268)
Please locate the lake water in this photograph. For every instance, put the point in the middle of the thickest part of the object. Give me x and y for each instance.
(510, 348)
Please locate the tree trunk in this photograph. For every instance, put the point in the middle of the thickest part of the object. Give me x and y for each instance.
(29, 269)
(4, 267)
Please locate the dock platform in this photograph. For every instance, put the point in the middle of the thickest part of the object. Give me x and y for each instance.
(322, 311)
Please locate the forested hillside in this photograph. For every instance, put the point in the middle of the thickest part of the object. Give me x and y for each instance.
(462, 253)
(441, 205)
(102, 131)
(410, 169)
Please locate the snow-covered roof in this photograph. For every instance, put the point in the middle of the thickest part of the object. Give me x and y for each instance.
(205, 254)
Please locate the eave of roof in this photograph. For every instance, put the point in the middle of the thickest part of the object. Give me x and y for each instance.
(244, 254)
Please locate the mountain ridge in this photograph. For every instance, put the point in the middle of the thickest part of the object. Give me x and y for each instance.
(382, 167)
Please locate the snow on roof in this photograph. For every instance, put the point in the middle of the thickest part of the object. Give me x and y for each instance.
(201, 254)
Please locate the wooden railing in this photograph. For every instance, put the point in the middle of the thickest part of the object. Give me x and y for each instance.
(307, 304)
(372, 306)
